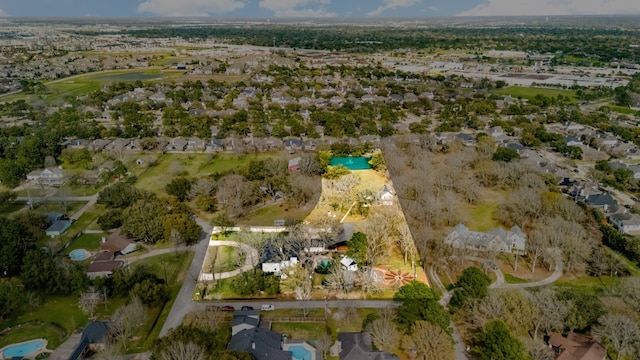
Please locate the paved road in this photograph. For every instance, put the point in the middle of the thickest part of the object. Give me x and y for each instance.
(184, 301)
(293, 304)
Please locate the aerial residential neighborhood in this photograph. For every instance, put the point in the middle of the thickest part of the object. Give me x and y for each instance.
(216, 188)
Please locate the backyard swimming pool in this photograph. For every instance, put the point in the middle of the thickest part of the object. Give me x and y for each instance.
(24, 349)
(79, 254)
(300, 353)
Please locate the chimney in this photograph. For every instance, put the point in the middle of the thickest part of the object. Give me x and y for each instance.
(104, 239)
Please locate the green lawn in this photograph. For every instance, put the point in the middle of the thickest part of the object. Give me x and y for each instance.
(12, 207)
(265, 216)
(482, 216)
(510, 279)
(34, 330)
(530, 92)
(168, 166)
(300, 331)
(89, 242)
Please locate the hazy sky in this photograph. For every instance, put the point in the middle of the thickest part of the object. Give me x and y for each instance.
(314, 8)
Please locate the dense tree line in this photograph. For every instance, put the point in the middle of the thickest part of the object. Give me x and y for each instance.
(614, 43)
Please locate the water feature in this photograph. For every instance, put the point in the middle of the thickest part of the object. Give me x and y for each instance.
(300, 353)
(24, 349)
(79, 254)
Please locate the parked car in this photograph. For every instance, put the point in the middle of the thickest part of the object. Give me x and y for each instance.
(245, 308)
(267, 307)
(227, 308)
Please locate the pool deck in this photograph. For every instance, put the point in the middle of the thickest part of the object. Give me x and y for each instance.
(30, 355)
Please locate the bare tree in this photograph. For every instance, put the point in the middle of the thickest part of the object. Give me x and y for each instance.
(127, 318)
(234, 194)
(89, 301)
(183, 351)
(549, 312)
(384, 333)
(303, 295)
(110, 351)
(339, 279)
(429, 342)
(324, 344)
(538, 350)
(202, 186)
(537, 245)
(208, 320)
(619, 332)
(367, 282)
(406, 243)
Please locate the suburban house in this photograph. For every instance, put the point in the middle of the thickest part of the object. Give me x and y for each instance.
(277, 267)
(601, 201)
(48, 176)
(349, 264)
(576, 347)
(293, 144)
(118, 243)
(386, 196)
(262, 344)
(248, 334)
(512, 241)
(357, 346)
(244, 320)
(99, 268)
(626, 223)
(92, 339)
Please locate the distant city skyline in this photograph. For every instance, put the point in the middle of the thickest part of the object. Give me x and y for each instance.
(315, 8)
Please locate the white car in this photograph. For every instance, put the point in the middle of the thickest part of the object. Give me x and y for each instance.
(267, 308)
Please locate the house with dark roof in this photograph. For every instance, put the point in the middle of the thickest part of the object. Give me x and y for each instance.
(601, 201)
(576, 347)
(92, 339)
(512, 241)
(116, 242)
(103, 268)
(244, 320)
(262, 344)
(357, 346)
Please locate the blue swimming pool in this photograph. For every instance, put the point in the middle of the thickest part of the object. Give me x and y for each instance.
(79, 254)
(300, 353)
(22, 349)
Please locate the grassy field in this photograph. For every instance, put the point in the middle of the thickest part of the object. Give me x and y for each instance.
(530, 92)
(300, 331)
(227, 258)
(481, 217)
(265, 216)
(510, 279)
(12, 207)
(156, 177)
(86, 83)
